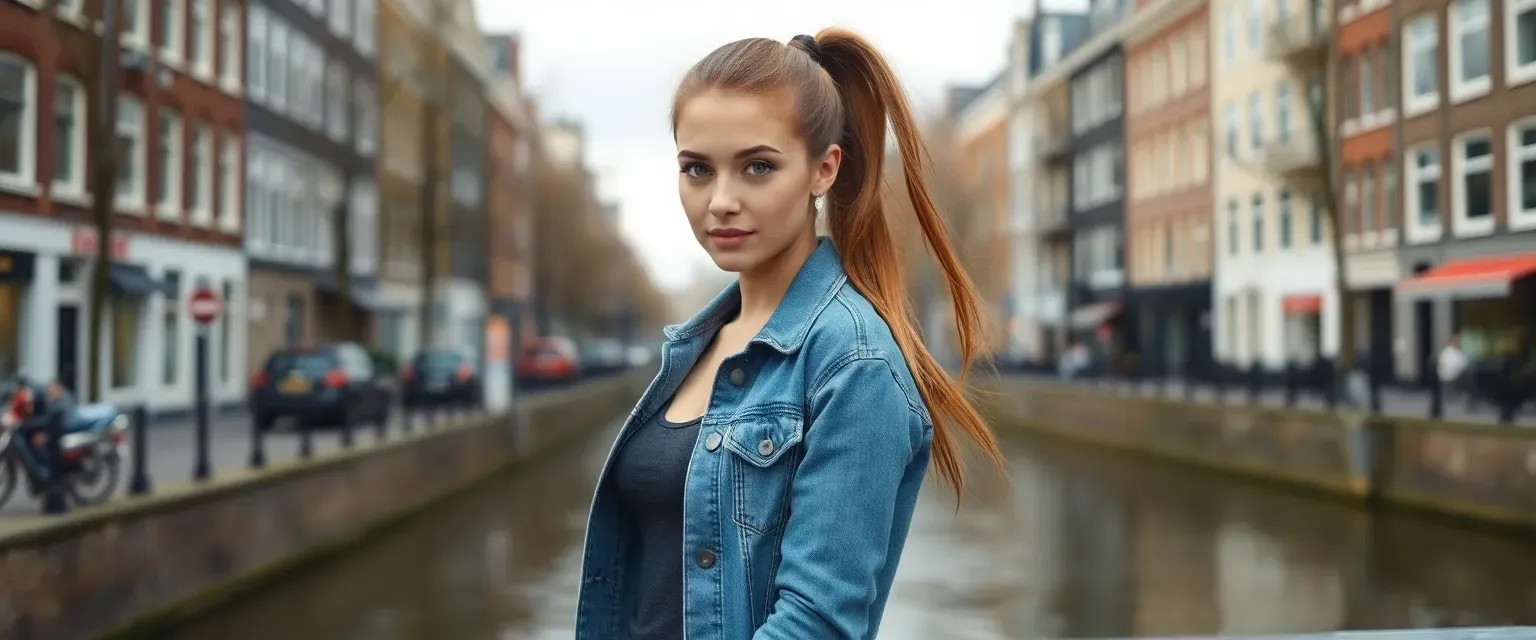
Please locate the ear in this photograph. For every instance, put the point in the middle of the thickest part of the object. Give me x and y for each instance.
(825, 171)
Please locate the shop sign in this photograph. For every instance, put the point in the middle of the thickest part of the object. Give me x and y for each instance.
(82, 242)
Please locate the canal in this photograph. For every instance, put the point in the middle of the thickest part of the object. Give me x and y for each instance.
(1076, 543)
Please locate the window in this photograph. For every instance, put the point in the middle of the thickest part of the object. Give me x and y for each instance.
(367, 117)
(1229, 34)
(256, 57)
(1351, 203)
(341, 16)
(1367, 85)
(125, 340)
(1256, 120)
(1349, 88)
(170, 29)
(1469, 49)
(1258, 223)
(18, 113)
(298, 78)
(1383, 84)
(1473, 165)
(1368, 200)
(1283, 111)
(227, 176)
(1232, 226)
(1255, 25)
(277, 65)
(1421, 64)
(1315, 224)
(1520, 41)
(200, 44)
(167, 196)
(336, 98)
(1283, 215)
(1522, 174)
(1197, 71)
(1178, 72)
(134, 31)
(1231, 129)
(130, 154)
(170, 342)
(199, 175)
(68, 136)
(229, 41)
(365, 28)
(255, 203)
(1388, 219)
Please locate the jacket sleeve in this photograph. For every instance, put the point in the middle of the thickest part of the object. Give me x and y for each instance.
(862, 438)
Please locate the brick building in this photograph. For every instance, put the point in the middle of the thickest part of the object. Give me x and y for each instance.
(178, 214)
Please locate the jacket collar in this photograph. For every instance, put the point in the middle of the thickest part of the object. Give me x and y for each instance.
(812, 289)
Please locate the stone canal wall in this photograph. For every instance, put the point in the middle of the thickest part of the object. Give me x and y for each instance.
(134, 565)
(1481, 473)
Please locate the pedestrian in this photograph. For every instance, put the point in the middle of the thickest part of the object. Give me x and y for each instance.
(782, 446)
(1451, 367)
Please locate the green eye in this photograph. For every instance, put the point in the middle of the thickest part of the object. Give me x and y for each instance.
(759, 168)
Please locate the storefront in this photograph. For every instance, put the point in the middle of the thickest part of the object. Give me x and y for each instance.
(1489, 301)
(146, 335)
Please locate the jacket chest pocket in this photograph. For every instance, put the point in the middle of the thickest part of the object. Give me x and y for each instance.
(765, 449)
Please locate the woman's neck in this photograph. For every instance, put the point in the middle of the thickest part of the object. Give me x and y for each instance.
(762, 288)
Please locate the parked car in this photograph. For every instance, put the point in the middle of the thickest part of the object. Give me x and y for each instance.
(320, 386)
(438, 377)
(601, 355)
(550, 360)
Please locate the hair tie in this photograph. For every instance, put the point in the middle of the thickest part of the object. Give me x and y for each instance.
(809, 46)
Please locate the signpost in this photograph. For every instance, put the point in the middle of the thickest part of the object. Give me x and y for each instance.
(205, 307)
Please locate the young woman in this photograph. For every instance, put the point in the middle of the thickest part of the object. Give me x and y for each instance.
(765, 483)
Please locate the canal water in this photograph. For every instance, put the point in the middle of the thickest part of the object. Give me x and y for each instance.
(1075, 543)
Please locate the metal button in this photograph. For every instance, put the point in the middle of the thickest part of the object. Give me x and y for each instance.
(706, 558)
(712, 441)
(765, 447)
(738, 377)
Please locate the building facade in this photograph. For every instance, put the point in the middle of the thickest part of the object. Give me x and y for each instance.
(312, 113)
(462, 251)
(510, 185)
(1168, 207)
(1469, 175)
(981, 166)
(1275, 296)
(177, 220)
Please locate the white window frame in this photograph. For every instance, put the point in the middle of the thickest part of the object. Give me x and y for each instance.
(229, 200)
(230, 43)
(201, 209)
(75, 186)
(202, 67)
(1514, 72)
(132, 200)
(24, 180)
(1414, 104)
(1463, 89)
(170, 207)
(1520, 219)
(138, 38)
(1461, 225)
(173, 45)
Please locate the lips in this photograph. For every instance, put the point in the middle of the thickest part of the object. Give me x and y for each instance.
(728, 233)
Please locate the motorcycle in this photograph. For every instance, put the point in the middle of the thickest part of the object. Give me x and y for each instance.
(90, 457)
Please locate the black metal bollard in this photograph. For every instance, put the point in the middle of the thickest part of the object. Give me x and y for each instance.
(55, 500)
(258, 443)
(346, 429)
(306, 441)
(139, 483)
(1436, 393)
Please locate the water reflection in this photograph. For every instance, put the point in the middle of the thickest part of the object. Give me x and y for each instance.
(1075, 543)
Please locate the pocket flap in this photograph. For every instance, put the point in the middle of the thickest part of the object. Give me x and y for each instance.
(761, 440)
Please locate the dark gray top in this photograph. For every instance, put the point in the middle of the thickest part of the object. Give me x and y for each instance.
(650, 473)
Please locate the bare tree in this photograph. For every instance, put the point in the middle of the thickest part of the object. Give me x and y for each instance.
(96, 59)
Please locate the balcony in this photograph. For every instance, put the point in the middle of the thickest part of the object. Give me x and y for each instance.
(1051, 219)
(1298, 42)
(1053, 145)
(1296, 157)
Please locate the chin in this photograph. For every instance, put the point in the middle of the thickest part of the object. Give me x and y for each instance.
(734, 262)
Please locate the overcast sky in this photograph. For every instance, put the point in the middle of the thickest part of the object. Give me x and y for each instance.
(613, 65)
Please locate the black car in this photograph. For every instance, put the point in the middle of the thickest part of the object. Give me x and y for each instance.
(322, 385)
(439, 377)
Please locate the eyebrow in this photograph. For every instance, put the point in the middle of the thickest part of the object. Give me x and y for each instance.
(762, 148)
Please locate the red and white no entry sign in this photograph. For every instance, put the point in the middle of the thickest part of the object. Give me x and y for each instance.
(205, 306)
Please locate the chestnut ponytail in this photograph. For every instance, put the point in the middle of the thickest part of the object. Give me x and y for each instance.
(846, 94)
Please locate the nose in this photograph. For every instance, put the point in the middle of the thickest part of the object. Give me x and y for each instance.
(723, 201)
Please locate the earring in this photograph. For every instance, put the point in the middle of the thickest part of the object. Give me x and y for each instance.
(821, 203)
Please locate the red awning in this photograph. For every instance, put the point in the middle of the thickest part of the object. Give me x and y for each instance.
(1310, 304)
(1491, 277)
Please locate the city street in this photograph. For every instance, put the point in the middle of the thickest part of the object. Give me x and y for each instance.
(172, 447)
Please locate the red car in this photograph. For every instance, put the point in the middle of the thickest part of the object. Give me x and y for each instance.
(547, 361)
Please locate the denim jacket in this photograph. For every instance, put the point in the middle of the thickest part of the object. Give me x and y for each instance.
(802, 481)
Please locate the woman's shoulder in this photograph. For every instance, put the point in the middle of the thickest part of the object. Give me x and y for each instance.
(849, 330)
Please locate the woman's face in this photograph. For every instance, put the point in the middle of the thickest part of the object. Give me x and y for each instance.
(745, 178)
